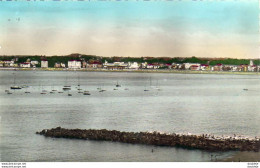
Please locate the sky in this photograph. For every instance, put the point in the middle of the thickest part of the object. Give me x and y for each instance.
(131, 28)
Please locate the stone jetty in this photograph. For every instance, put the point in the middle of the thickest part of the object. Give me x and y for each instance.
(203, 142)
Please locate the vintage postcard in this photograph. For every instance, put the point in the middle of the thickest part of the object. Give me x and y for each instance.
(129, 81)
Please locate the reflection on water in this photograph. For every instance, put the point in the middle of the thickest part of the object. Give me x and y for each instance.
(181, 103)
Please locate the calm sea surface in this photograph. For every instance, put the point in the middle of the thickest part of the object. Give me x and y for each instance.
(180, 103)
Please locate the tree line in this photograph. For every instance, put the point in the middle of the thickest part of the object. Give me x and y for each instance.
(166, 60)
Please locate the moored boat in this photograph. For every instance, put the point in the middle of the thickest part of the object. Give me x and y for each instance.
(86, 93)
(117, 85)
(66, 88)
(15, 87)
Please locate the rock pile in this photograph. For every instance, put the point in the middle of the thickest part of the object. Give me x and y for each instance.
(155, 138)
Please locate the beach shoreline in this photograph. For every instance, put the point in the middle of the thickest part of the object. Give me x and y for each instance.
(134, 71)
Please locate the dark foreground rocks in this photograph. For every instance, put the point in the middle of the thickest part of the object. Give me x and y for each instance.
(155, 138)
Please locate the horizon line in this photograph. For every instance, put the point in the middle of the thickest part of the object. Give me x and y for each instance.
(126, 56)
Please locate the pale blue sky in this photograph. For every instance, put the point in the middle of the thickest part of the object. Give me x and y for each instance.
(135, 28)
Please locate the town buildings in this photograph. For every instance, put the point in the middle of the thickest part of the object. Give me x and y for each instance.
(115, 65)
(44, 63)
(74, 64)
(25, 65)
(133, 65)
(93, 63)
(34, 63)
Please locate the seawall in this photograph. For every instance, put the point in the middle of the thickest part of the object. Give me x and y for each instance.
(159, 139)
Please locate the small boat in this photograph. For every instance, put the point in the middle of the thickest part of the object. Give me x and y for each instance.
(9, 93)
(86, 93)
(60, 92)
(117, 85)
(79, 89)
(78, 81)
(26, 91)
(52, 92)
(15, 87)
(80, 92)
(145, 89)
(6, 90)
(52, 89)
(43, 92)
(101, 89)
(66, 88)
(115, 89)
(69, 94)
(245, 89)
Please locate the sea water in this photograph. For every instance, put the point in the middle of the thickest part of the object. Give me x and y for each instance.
(173, 103)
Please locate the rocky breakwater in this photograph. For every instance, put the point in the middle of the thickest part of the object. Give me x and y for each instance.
(204, 142)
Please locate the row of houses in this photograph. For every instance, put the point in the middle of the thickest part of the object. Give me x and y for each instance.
(76, 64)
(96, 64)
(218, 67)
(27, 64)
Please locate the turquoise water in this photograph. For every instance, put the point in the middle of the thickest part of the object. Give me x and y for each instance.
(180, 103)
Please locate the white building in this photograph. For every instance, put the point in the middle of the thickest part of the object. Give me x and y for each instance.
(133, 65)
(74, 64)
(204, 67)
(143, 65)
(12, 63)
(251, 66)
(153, 66)
(106, 64)
(115, 65)
(34, 62)
(44, 63)
(62, 65)
(251, 63)
(25, 65)
(188, 65)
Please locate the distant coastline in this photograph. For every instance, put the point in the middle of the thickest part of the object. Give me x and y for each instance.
(133, 71)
